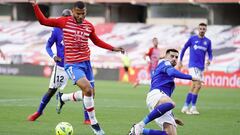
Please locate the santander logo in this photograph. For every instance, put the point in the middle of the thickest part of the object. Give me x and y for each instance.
(217, 79)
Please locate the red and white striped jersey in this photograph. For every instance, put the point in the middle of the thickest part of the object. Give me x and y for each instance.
(154, 55)
(75, 36)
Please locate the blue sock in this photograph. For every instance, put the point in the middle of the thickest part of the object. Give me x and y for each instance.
(46, 98)
(86, 117)
(194, 99)
(157, 112)
(188, 99)
(153, 132)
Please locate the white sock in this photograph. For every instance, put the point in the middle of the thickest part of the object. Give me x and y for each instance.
(89, 105)
(142, 124)
(75, 96)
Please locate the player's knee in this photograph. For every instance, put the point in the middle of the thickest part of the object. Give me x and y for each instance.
(174, 104)
(168, 129)
(198, 86)
(166, 100)
(88, 91)
(85, 87)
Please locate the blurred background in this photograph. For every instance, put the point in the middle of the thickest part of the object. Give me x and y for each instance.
(130, 24)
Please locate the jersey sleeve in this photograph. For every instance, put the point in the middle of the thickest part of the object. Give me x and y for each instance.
(52, 39)
(53, 22)
(171, 71)
(149, 52)
(187, 44)
(98, 42)
(209, 50)
(177, 74)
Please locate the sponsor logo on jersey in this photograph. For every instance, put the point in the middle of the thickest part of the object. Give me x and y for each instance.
(199, 47)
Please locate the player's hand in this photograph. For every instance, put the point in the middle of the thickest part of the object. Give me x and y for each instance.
(119, 49)
(57, 59)
(208, 62)
(33, 2)
(180, 65)
(179, 122)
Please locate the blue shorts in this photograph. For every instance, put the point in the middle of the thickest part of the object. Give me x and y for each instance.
(79, 70)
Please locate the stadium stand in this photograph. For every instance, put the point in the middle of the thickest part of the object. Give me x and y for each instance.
(26, 41)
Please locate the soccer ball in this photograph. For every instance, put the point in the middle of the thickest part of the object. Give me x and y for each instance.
(64, 128)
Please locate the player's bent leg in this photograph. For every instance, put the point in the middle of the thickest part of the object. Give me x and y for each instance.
(169, 128)
(74, 96)
(164, 105)
(88, 101)
(45, 99)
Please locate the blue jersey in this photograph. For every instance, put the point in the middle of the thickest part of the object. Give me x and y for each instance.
(198, 48)
(163, 77)
(56, 37)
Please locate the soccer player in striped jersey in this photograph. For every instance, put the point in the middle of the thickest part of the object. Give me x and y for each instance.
(153, 54)
(59, 77)
(159, 100)
(199, 45)
(76, 32)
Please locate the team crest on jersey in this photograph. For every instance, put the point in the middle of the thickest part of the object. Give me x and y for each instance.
(78, 35)
(87, 29)
(205, 43)
(167, 63)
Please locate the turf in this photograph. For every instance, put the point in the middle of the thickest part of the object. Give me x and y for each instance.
(118, 106)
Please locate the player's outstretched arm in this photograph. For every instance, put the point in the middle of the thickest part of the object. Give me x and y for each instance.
(171, 71)
(98, 42)
(59, 22)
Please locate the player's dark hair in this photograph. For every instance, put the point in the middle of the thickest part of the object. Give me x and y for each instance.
(154, 38)
(203, 24)
(79, 4)
(171, 50)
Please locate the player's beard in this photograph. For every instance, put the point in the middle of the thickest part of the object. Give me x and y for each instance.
(174, 63)
(79, 21)
(201, 34)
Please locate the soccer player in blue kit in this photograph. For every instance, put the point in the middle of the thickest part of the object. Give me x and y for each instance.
(159, 100)
(199, 45)
(59, 76)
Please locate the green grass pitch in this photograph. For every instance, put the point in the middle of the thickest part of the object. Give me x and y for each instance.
(118, 106)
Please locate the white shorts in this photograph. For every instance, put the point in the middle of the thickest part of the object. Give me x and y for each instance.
(152, 100)
(196, 72)
(59, 78)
